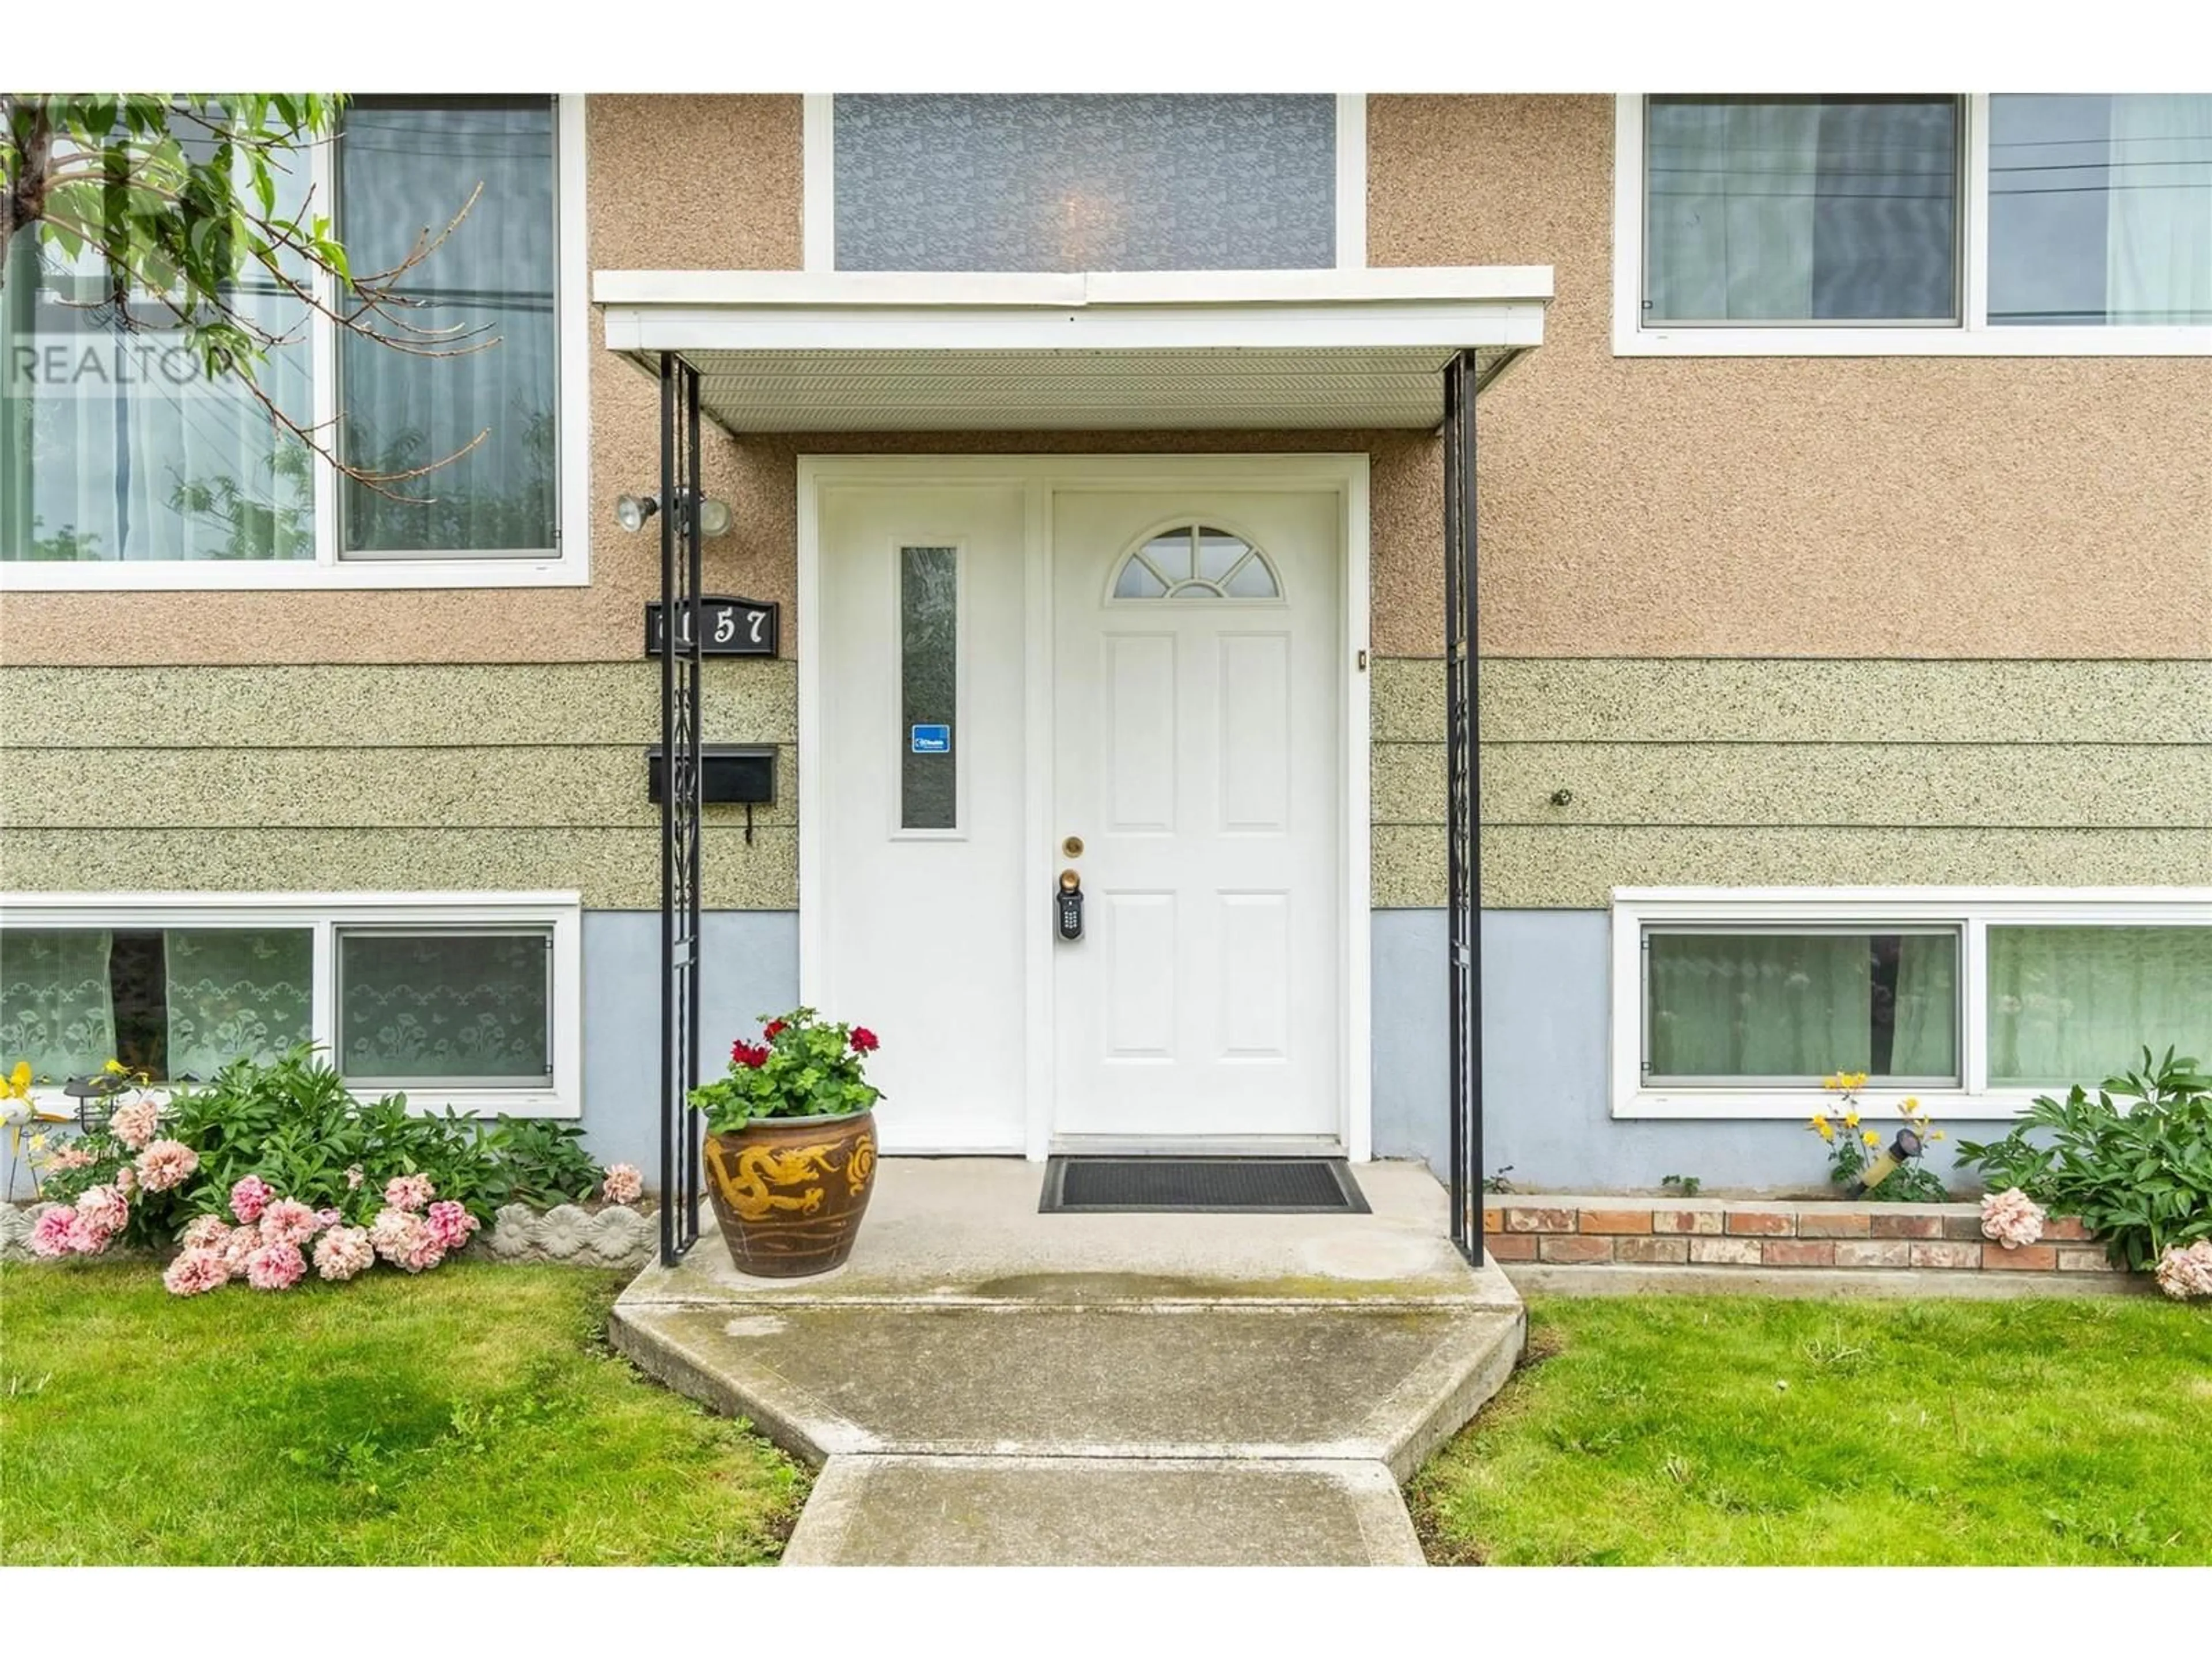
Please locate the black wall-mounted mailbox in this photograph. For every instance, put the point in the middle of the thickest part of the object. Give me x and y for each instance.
(737, 774)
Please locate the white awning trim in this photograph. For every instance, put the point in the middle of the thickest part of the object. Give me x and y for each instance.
(790, 351)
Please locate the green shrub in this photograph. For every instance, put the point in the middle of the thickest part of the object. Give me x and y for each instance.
(542, 1163)
(2135, 1162)
(293, 1122)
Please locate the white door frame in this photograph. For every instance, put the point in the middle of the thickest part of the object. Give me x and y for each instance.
(1039, 477)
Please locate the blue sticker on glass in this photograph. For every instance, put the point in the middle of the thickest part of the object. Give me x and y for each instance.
(933, 741)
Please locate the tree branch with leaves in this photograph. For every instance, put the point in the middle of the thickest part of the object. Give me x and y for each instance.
(197, 207)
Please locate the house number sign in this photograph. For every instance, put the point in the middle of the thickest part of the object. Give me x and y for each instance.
(731, 627)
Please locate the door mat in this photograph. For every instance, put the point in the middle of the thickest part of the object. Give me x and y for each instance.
(1200, 1186)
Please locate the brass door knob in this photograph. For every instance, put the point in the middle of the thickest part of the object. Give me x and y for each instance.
(1069, 881)
(1073, 847)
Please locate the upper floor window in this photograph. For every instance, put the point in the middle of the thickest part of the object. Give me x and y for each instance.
(125, 465)
(1801, 210)
(1998, 224)
(1082, 182)
(2100, 209)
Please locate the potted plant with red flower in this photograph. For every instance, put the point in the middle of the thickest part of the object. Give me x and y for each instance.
(791, 1143)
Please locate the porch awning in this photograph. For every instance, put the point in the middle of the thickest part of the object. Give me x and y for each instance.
(831, 352)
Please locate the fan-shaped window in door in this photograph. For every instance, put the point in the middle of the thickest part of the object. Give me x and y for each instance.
(1197, 562)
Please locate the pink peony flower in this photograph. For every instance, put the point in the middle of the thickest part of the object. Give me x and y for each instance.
(2012, 1218)
(166, 1163)
(135, 1123)
(103, 1210)
(2183, 1273)
(205, 1232)
(55, 1232)
(239, 1249)
(353, 1176)
(288, 1221)
(196, 1271)
(71, 1158)
(342, 1252)
(126, 1180)
(328, 1218)
(393, 1232)
(450, 1224)
(250, 1197)
(408, 1192)
(274, 1267)
(622, 1184)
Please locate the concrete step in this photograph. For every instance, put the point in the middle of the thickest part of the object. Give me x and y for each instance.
(1238, 1380)
(1014, 1511)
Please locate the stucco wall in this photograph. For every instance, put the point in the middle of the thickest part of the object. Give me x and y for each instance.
(1938, 506)
(1640, 519)
(1689, 771)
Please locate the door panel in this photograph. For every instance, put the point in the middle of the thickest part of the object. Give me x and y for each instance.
(924, 932)
(1196, 753)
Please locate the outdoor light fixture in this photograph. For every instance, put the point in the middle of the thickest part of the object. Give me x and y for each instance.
(1906, 1145)
(631, 511)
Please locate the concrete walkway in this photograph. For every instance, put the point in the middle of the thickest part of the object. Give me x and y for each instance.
(984, 1385)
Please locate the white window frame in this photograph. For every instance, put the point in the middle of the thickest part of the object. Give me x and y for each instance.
(1970, 337)
(1973, 910)
(819, 213)
(325, 913)
(566, 565)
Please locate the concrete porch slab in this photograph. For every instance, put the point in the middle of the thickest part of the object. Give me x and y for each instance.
(1384, 1385)
(1008, 1512)
(986, 1383)
(955, 1229)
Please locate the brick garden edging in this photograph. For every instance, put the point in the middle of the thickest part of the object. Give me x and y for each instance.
(1599, 1231)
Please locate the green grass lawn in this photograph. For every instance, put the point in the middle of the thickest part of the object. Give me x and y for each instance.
(1740, 1430)
(472, 1416)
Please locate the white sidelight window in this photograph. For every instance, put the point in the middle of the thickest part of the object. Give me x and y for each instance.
(1738, 1002)
(1049, 182)
(125, 466)
(1847, 225)
(459, 999)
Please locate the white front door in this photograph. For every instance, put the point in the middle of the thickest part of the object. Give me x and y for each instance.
(1194, 755)
(999, 654)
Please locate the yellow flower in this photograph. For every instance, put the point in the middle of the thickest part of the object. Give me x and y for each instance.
(1850, 1119)
(38, 1142)
(114, 1065)
(1826, 1129)
(1935, 1135)
(16, 1086)
(1908, 1107)
(1871, 1138)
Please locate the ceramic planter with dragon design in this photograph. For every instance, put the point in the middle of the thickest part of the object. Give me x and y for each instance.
(791, 1143)
(790, 1192)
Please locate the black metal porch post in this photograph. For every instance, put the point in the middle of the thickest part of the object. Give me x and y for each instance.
(1463, 831)
(681, 645)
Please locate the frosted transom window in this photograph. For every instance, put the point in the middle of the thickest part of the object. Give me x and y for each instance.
(1197, 562)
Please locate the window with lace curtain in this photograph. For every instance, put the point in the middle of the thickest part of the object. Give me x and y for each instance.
(121, 453)
(469, 1007)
